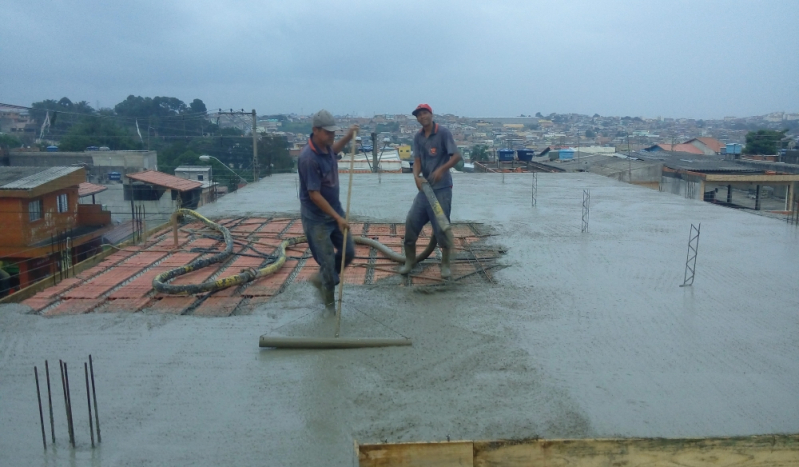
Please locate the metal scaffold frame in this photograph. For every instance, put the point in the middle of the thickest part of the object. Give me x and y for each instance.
(693, 251)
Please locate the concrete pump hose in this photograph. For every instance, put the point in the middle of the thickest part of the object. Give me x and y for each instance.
(159, 282)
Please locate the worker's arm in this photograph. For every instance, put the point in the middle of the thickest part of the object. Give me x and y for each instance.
(439, 172)
(339, 145)
(322, 204)
(417, 170)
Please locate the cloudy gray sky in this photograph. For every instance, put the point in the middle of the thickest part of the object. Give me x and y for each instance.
(648, 58)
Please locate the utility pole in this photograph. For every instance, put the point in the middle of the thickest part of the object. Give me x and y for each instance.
(374, 152)
(254, 149)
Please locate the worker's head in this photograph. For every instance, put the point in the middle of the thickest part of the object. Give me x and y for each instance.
(423, 114)
(324, 128)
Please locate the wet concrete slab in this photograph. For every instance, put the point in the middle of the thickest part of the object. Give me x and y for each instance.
(583, 335)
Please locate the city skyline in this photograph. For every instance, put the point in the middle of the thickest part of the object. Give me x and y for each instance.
(671, 59)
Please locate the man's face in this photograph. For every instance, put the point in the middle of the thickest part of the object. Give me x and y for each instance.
(424, 117)
(324, 137)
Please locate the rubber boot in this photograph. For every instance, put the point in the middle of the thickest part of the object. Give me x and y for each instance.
(329, 297)
(445, 271)
(410, 259)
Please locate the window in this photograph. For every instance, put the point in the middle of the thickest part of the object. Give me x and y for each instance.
(199, 178)
(62, 203)
(35, 210)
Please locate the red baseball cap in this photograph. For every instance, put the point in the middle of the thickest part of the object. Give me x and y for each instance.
(422, 107)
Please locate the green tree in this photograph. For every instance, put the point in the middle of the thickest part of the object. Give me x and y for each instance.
(392, 127)
(197, 106)
(9, 141)
(479, 153)
(63, 115)
(273, 155)
(97, 131)
(589, 133)
(296, 127)
(763, 141)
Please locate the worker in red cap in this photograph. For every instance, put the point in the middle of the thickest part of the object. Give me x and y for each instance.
(434, 153)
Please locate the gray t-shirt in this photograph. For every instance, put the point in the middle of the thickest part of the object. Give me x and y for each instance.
(435, 151)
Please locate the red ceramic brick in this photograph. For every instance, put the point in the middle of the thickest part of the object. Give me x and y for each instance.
(217, 306)
(73, 307)
(123, 305)
(172, 304)
(38, 304)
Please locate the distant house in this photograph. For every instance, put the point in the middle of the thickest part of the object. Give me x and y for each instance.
(708, 146)
(38, 209)
(161, 194)
(703, 146)
(203, 174)
(685, 148)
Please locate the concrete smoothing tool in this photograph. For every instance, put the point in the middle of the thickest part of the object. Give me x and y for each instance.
(335, 342)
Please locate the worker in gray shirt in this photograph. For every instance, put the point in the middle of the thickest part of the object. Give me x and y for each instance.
(434, 153)
(323, 218)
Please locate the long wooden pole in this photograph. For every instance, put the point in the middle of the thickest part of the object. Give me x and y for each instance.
(344, 243)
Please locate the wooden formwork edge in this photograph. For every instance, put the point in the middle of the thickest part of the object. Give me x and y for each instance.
(760, 450)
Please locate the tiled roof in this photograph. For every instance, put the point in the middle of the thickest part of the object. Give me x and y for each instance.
(86, 189)
(712, 143)
(689, 148)
(165, 180)
(27, 178)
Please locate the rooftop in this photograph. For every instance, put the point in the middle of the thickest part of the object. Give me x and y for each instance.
(27, 178)
(581, 335)
(88, 189)
(165, 180)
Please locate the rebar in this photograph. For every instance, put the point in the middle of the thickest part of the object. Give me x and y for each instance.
(49, 400)
(88, 401)
(69, 406)
(66, 401)
(94, 396)
(535, 188)
(586, 209)
(39, 397)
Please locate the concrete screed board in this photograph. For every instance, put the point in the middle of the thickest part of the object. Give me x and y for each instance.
(585, 336)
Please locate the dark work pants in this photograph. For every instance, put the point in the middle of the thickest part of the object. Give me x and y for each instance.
(421, 213)
(325, 240)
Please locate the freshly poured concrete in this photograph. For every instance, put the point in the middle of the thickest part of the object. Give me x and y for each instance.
(586, 335)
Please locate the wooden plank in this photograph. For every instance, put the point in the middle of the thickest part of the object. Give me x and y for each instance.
(761, 451)
(455, 454)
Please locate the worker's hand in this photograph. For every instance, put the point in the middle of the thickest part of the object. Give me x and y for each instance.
(342, 224)
(354, 129)
(436, 175)
(419, 181)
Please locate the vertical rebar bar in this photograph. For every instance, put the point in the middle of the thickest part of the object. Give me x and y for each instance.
(69, 406)
(49, 400)
(535, 188)
(94, 396)
(586, 209)
(89, 401)
(52, 257)
(64, 389)
(41, 415)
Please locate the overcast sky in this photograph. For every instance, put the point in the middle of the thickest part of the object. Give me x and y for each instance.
(647, 58)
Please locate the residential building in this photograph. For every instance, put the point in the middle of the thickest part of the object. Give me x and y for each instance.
(101, 166)
(38, 209)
